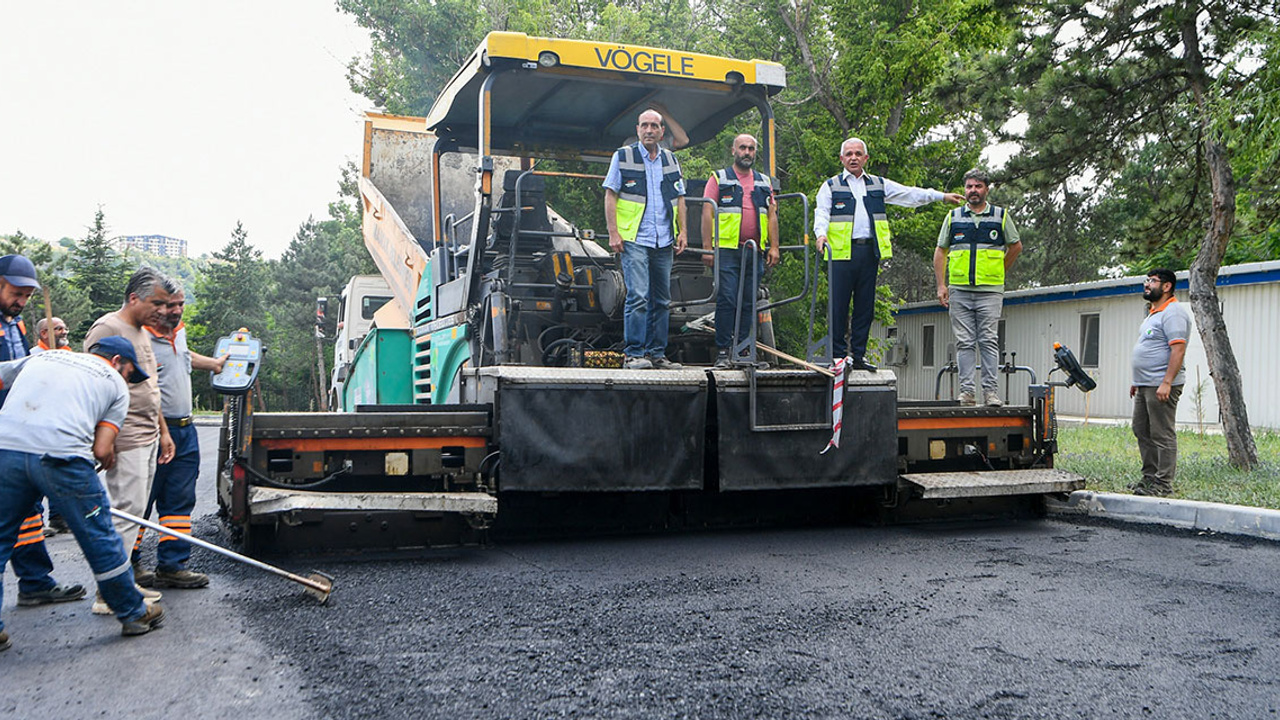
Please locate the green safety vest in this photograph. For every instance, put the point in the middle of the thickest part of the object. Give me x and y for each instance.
(976, 253)
(633, 195)
(843, 207)
(730, 202)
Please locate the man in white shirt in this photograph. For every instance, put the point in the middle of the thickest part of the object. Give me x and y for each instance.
(63, 413)
(849, 216)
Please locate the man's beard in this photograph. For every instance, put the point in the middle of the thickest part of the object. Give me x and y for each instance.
(1152, 295)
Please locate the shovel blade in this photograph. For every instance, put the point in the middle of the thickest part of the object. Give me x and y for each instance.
(322, 580)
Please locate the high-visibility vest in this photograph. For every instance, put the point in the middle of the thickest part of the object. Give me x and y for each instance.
(843, 207)
(634, 193)
(730, 202)
(976, 253)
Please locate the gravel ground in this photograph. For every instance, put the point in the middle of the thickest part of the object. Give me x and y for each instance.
(1027, 619)
(1035, 618)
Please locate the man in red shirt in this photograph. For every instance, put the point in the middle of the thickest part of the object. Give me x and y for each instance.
(747, 213)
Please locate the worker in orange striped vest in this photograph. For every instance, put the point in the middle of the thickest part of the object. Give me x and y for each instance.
(60, 339)
(173, 492)
(30, 559)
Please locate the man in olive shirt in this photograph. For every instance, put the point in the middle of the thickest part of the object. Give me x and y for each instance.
(144, 438)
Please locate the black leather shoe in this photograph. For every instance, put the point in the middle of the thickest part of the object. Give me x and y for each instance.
(862, 364)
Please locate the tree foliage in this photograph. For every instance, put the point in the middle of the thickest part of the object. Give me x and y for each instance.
(99, 273)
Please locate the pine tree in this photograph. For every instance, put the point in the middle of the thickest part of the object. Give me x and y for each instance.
(99, 273)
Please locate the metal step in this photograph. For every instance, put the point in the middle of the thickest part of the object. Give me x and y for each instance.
(270, 501)
(994, 483)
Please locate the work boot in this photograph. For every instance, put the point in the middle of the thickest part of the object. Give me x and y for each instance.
(143, 577)
(722, 360)
(638, 363)
(992, 399)
(58, 524)
(1152, 491)
(5, 643)
(100, 606)
(55, 594)
(153, 619)
(965, 398)
(182, 579)
(662, 363)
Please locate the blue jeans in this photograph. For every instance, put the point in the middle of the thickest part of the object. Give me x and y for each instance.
(76, 493)
(646, 315)
(32, 564)
(731, 268)
(173, 495)
(975, 322)
(853, 279)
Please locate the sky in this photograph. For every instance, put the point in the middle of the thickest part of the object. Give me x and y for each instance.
(178, 118)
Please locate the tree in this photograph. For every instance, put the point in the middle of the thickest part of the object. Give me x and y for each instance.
(1098, 83)
(98, 272)
(234, 293)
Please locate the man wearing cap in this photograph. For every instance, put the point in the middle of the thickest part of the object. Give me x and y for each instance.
(30, 558)
(144, 438)
(65, 412)
(173, 493)
(60, 340)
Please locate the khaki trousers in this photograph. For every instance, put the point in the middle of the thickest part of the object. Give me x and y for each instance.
(129, 485)
(1154, 425)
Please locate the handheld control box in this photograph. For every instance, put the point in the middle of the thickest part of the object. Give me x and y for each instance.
(241, 368)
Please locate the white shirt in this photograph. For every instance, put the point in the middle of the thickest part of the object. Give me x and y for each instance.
(56, 402)
(894, 194)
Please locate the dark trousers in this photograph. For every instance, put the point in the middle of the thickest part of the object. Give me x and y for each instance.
(31, 562)
(853, 279)
(728, 313)
(173, 495)
(1155, 426)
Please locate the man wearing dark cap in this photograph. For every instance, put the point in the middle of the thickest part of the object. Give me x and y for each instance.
(65, 412)
(31, 561)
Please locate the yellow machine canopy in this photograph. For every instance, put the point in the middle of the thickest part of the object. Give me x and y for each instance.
(530, 96)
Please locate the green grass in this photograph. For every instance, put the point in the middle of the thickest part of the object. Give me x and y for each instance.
(1107, 456)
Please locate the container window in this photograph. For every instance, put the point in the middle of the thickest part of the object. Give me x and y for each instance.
(926, 347)
(1089, 340)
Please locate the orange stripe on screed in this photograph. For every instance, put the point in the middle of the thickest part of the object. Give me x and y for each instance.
(961, 422)
(321, 444)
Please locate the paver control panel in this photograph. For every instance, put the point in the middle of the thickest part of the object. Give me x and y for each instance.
(244, 353)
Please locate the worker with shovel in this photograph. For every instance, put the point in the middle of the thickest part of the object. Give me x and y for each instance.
(63, 413)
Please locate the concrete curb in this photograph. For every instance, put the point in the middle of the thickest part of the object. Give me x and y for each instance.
(207, 420)
(1188, 514)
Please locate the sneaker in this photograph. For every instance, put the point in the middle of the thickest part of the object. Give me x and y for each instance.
(100, 606)
(55, 594)
(722, 360)
(181, 579)
(638, 363)
(965, 398)
(662, 363)
(992, 399)
(143, 577)
(152, 619)
(5, 643)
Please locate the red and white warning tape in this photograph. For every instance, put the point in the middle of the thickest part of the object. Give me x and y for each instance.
(837, 404)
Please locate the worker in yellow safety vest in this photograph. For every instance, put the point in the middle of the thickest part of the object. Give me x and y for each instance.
(748, 218)
(645, 211)
(978, 242)
(849, 216)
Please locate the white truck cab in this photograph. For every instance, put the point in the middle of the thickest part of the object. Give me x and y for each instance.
(363, 296)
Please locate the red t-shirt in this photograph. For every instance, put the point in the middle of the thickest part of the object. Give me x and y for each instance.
(750, 218)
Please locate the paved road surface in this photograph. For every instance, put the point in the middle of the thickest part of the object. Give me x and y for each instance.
(1026, 619)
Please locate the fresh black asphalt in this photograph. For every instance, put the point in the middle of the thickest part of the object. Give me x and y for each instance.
(1012, 619)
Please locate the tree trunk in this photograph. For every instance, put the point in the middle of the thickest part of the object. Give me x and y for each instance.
(1241, 450)
(1224, 370)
